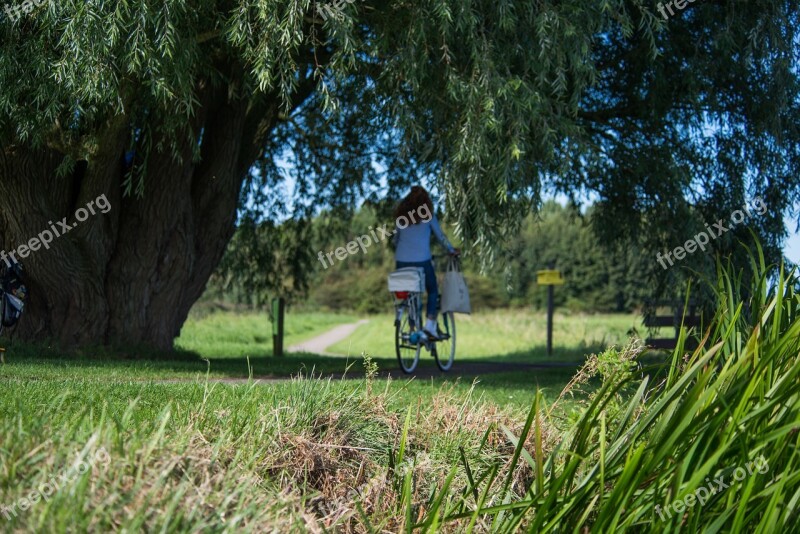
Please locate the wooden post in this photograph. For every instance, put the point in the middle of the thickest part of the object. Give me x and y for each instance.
(278, 305)
(550, 278)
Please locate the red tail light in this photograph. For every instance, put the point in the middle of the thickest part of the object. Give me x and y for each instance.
(402, 295)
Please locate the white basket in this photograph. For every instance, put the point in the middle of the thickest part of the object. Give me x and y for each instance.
(407, 279)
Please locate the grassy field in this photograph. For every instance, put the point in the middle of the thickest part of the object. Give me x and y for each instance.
(149, 442)
(180, 452)
(194, 456)
(236, 335)
(518, 336)
(218, 345)
(100, 442)
(228, 345)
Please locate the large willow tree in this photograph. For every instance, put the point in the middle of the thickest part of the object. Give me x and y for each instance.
(181, 112)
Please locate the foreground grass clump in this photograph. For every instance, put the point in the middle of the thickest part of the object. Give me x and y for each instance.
(188, 457)
(307, 455)
(709, 444)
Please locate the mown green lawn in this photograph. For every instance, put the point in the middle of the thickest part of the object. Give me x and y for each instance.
(186, 451)
(221, 344)
(231, 345)
(100, 441)
(237, 335)
(182, 452)
(225, 344)
(518, 336)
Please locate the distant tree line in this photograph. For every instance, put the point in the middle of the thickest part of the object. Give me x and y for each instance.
(600, 278)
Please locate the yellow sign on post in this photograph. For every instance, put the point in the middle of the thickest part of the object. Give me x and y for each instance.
(549, 278)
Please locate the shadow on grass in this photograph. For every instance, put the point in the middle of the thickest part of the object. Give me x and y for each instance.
(497, 371)
(538, 355)
(147, 363)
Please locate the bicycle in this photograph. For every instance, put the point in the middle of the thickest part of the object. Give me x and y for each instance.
(12, 296)
(407, 287)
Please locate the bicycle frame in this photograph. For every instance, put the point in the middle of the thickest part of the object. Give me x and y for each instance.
(413, 304)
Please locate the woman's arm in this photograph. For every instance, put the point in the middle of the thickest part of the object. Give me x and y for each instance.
(437, 231)
(396, 238)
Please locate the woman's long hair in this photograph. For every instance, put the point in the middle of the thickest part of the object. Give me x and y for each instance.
(417, 198)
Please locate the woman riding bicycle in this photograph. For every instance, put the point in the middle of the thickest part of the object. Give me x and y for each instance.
(413, 241)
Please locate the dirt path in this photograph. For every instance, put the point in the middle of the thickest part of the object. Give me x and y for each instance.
(318, 344)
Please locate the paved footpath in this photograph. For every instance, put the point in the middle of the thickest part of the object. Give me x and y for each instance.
(318, 344)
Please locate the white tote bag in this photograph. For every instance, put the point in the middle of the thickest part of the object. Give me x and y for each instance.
(455, 295)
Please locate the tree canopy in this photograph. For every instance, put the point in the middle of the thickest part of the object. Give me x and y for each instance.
(667, 123)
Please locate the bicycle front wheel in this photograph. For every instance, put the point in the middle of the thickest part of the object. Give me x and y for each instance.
(407, 352)
(445, 350)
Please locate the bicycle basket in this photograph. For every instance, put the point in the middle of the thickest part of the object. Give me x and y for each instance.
(407, 279)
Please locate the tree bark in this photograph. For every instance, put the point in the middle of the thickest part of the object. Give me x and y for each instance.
(131, 275)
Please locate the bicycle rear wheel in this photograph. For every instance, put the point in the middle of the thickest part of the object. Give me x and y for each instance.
(407, 352)
(445, 350)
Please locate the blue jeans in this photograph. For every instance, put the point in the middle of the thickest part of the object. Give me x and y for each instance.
(431, 286)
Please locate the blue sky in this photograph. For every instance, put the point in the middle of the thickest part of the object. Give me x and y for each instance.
(792, 247)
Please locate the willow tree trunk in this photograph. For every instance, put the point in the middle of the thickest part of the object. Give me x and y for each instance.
(130, 275)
